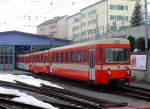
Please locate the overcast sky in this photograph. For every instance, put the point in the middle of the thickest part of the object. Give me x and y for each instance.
(25, 15)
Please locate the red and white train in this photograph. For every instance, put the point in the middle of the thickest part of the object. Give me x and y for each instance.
(100, 61)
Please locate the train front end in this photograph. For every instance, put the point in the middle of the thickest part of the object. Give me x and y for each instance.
(115, 67)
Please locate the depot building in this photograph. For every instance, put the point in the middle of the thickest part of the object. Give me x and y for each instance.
(15, 42)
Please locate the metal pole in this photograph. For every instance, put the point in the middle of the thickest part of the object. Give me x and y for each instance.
(146, 40)
(107, 21)
(97, 31)
(146, 26)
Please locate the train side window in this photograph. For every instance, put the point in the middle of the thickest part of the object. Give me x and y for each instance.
(66, 56)
(32, 58)
(61, 57)
(41, 58)
(85, 55)
(36, 58)
(72, 56)
(45, 58)
(78, 56)
(57, 57)
(53, 57)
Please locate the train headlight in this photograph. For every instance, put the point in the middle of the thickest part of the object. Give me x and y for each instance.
(128, 71)
(109, 73)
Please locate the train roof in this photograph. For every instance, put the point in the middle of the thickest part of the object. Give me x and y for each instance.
(92, 42)
(23, 55)
(99, 41)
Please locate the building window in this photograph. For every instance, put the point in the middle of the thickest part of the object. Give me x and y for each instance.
(83, 24)
(76, 20)
(41, 29)
(92, 22)
(83, 15)
(119, 18)
(91, 32)
(92, 12)
(51, 33)
(118, 7)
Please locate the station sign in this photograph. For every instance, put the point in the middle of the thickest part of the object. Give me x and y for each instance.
(138, 62)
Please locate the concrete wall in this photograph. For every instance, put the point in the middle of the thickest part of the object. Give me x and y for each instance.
(138, 31)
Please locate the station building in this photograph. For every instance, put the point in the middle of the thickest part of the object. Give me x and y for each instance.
(15, 42)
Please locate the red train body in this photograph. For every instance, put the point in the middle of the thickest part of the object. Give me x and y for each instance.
(101, 61)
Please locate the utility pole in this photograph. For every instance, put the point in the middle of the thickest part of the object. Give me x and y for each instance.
(97, 31)
(107, 26)
(146, 26)
(146, 41)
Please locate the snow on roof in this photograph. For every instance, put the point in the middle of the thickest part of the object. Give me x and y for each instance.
(26, 99)
(27, 79)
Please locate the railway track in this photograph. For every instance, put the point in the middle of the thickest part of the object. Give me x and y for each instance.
(134, 92)
(64, 98)
(7, 103)
(129, 91)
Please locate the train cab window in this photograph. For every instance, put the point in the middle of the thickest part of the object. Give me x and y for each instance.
(78, 56)
(57, 57)
(72, 56)
(61, 57)
(85, 55)
(66, 57)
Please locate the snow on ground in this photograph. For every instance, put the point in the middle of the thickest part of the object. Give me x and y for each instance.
(24, 98)
(26, 79)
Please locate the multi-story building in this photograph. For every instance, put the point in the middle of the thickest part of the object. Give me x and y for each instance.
(101, 17)
(56, 27)
(74, 28)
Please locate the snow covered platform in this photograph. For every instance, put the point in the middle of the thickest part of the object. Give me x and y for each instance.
(141, 85)
(16, 72)
(24, 97)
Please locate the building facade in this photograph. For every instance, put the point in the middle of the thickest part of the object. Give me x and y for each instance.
(56, 27)
(74, 27)
(15, 42)
(101, 17)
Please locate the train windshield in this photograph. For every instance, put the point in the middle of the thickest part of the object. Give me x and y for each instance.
(116, 55)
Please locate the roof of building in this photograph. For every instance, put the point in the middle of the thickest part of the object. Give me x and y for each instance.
(54, 20)
(74, 14)
(93, 4)
(23, 38)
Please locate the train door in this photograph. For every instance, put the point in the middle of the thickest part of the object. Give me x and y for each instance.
(91, 64)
